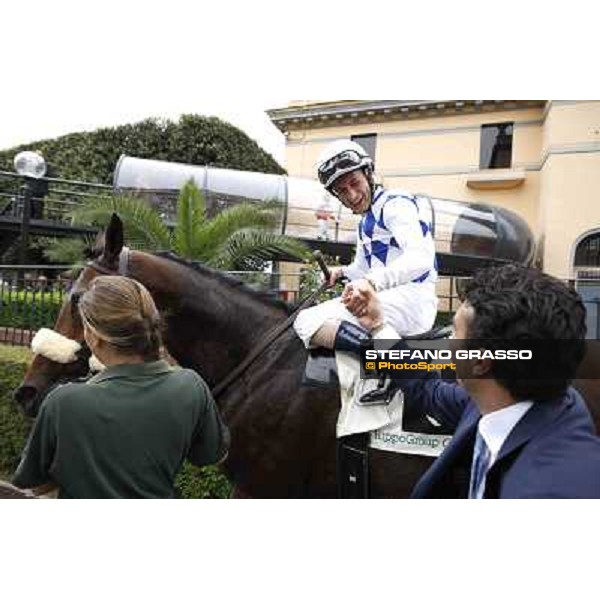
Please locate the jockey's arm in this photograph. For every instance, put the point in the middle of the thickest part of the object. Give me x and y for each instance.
(417, 249)
(359, 266)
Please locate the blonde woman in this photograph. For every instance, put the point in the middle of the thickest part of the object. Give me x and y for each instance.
(126, 432)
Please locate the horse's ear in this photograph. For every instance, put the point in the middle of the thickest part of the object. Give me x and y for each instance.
(96, 248)
(113, 242)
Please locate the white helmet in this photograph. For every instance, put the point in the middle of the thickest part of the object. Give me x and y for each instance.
(339, 158)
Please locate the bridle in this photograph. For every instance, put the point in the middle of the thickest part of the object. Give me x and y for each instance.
(122, 268)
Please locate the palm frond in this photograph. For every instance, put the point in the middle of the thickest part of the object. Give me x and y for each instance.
(190, 217)
(68, 251)
(215, 233)
(249, 249)
(144, 228)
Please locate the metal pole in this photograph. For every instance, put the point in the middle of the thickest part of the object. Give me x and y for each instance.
(25, 222)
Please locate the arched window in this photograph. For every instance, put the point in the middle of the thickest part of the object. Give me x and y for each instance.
(587, 268)
(587, 253)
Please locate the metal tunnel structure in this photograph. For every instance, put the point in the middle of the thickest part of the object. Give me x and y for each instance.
(467, 235)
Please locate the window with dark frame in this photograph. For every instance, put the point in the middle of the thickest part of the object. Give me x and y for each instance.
(367, 141)
(587, 253)
(496, 146)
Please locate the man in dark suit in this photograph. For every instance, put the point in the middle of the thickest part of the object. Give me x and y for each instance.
(516, 435)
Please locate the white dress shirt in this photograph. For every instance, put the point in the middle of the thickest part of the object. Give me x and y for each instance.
(496, 426)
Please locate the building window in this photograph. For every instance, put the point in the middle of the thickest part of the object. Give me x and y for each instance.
(367, 141)
(496, 146)
(587, 253)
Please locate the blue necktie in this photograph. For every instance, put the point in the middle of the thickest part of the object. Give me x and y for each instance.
(479, 467)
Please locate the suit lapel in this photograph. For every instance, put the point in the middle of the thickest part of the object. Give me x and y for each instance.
(461, 441)
(535, 419)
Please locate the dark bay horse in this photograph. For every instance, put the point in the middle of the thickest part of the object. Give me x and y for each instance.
(283, 434)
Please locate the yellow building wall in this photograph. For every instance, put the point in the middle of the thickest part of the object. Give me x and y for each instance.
(445, 141)
(572, 122)
(570, 181)
(571, 200)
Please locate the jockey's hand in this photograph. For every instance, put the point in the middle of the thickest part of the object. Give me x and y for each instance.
(335, 273)
(356, 296)
(371, 316)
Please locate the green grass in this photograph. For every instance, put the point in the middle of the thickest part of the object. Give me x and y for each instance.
(17, 354)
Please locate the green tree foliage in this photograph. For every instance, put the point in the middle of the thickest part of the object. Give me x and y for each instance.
(193, 139)
(64, 251)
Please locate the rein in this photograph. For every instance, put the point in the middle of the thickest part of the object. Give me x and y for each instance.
(268, 339)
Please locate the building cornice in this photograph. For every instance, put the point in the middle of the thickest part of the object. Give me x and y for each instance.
(342, 112)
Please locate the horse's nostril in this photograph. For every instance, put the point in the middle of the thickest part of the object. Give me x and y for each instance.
(25, 397)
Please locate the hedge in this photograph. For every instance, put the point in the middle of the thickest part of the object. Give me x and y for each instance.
(14, 427)
(192, 482)
(29, 310)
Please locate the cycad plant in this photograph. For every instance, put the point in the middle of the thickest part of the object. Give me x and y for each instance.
(238, 238)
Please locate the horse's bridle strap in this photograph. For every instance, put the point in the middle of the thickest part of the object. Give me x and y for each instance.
(269, 338)
(122, 269)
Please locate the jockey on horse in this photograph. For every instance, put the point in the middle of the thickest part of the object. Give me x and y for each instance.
(395, 256)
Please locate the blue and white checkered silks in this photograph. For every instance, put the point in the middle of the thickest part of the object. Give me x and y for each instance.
(395, 241)
(395, 250)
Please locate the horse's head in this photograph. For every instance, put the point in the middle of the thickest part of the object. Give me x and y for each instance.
(65, 356)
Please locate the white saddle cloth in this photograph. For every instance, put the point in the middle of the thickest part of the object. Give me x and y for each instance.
(354, 417)
(383, 421)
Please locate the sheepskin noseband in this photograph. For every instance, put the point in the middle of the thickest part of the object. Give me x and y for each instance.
(55, 346)
(61, 349)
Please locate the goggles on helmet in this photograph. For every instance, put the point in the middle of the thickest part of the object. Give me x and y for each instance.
(339, 165)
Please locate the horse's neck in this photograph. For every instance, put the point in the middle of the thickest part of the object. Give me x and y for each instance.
(211, 325)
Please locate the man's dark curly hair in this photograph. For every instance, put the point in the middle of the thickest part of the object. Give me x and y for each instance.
(514, 306)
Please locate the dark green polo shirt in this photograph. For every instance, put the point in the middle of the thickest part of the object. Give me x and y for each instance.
(123, 434)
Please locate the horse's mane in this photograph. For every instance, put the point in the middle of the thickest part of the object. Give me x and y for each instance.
(233, 282)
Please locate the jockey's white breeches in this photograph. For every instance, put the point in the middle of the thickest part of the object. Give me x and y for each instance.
(410, 309)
